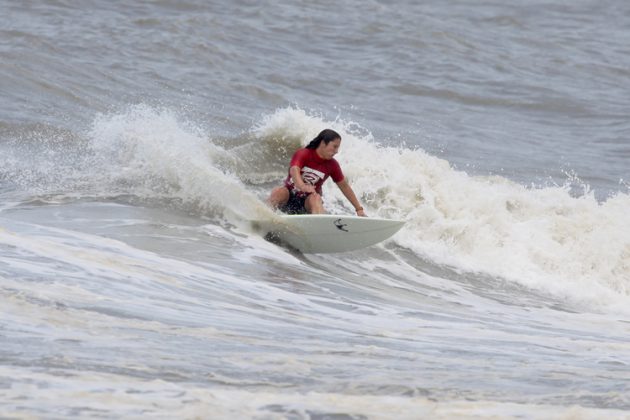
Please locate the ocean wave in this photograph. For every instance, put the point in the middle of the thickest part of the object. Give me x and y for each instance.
(544, 237)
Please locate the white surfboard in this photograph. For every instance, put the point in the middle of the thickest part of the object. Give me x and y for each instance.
(326, 233)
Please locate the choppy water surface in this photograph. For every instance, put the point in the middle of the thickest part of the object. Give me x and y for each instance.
(137, 141)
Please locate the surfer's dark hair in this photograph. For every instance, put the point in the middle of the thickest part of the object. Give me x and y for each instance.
(325, 136)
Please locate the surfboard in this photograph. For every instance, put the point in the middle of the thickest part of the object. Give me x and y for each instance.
(327, 233)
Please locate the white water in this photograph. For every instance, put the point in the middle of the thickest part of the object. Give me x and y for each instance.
(137, 142)
(541, 237)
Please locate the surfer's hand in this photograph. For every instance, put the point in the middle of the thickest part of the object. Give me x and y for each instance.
(361, 212)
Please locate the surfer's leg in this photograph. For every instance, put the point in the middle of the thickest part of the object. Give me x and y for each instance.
(314, 204)
(279, 197)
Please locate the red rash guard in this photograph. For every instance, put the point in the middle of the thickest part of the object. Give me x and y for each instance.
(313, 169)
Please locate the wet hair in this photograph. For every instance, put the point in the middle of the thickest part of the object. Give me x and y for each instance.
(326, 136)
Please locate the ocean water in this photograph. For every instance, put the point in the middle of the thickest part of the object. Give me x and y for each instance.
(138, 140)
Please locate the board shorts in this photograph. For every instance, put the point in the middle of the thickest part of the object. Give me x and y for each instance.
(295, 205)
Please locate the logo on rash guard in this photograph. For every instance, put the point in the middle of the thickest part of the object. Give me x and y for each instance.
(311, 176)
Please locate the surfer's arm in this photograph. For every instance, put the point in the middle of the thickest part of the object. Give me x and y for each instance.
(296, 176)
(346, 189)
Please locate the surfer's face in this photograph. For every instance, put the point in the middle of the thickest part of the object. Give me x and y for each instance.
(328, 151)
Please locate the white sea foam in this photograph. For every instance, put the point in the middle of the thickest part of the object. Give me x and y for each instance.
(123, 396)
(157, 150)
(541, 237)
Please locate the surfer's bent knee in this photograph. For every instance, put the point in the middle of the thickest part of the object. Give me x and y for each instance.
(278, 197)
(314, 203)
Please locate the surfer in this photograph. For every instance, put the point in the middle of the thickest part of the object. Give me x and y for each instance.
(309, 168)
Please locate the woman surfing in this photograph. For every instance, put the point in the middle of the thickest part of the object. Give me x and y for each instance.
(310, 167)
